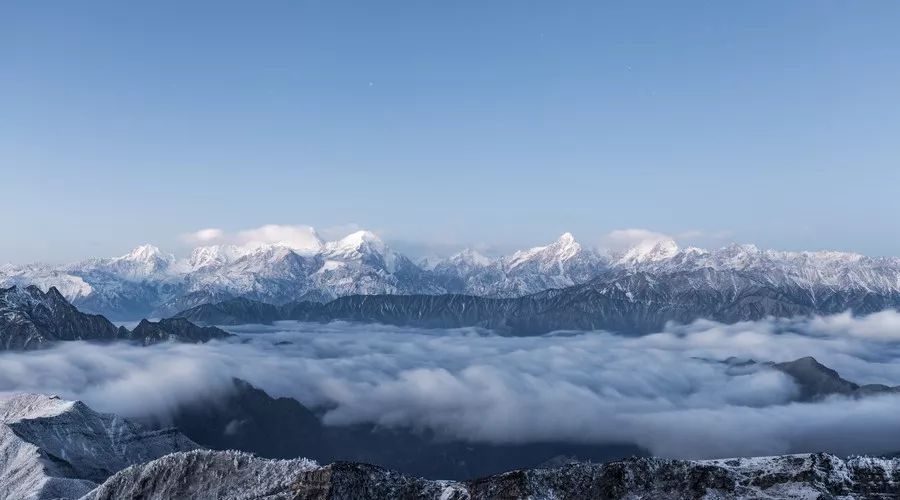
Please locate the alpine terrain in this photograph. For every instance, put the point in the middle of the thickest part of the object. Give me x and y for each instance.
(562, 284)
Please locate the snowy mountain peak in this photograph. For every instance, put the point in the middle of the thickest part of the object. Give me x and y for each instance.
(141, 263)
(147, 254)
(566, 247)
(566, 238)
(471, 258)
(653, 250)
(358, 242)
(363, 247)
(214, 255)
(560, 250)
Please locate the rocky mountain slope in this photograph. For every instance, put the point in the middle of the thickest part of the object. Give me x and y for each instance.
(52, 448)
(147, 282)
(30, 319)
(233, 475)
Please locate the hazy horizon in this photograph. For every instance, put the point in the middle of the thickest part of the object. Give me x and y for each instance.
(612, 243)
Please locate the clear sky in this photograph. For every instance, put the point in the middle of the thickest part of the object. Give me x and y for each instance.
(449, 122)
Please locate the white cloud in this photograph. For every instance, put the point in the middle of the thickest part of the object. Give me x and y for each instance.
(298, 237)
(334, 233)
(205, 235)
(622, 240)
(665, 391)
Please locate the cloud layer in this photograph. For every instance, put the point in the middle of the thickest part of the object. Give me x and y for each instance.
(667, 392)
(298, 237)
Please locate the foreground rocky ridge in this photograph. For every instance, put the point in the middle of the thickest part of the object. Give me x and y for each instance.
(232, 475)
(53, 448)
(30, 319)
(733, 283)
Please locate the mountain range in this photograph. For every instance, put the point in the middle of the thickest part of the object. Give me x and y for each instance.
(637, 288)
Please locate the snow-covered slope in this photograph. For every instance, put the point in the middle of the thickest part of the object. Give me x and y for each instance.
(147, 282)
(52, 448)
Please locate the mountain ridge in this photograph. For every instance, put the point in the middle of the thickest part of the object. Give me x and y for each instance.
(31, 319)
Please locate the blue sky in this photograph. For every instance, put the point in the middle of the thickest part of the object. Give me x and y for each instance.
(449, 123)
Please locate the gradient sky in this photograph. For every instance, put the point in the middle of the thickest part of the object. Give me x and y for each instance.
(449, 123)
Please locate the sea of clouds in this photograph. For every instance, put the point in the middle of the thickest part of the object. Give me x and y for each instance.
(669, 392)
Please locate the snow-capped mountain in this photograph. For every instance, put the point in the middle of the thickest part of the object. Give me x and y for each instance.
(148, 282)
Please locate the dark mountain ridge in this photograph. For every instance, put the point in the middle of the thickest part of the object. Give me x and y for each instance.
(30, 319)
(248, 419)
(634, 303)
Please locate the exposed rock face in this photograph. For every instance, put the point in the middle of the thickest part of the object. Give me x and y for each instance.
(30, 318)
(174, 329)
(232, 475)
(52, 448)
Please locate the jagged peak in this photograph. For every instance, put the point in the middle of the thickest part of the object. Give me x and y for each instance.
(564, 248)
(147, 253)
(566, 239)
(358, 241)
(651, 250)
(470, 256)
